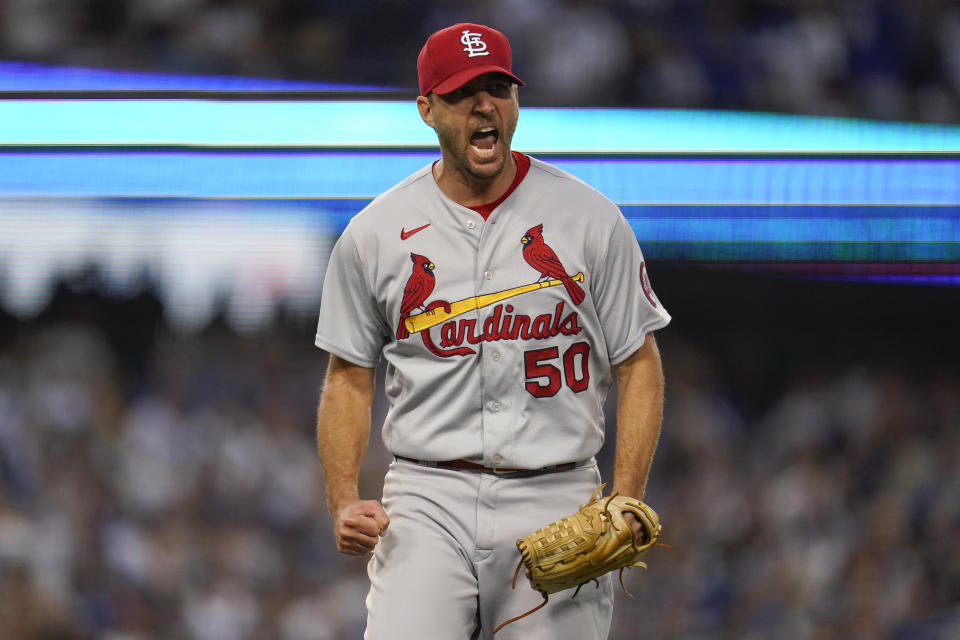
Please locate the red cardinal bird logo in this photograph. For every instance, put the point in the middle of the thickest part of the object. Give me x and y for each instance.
(541, 257)
(419, 287)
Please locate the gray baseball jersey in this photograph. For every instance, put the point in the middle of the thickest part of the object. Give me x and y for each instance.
(500, 335)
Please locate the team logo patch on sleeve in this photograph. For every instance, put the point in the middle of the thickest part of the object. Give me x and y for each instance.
(646, 286)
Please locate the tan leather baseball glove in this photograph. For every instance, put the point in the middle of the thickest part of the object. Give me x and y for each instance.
(583, 546)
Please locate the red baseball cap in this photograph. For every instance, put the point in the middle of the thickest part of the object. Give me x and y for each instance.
(456, 55)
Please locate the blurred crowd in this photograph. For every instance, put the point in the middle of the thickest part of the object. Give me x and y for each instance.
(888, 59)
(168, 487)
(178, 496)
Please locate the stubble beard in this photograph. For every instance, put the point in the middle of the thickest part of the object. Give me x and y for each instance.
(457, 149)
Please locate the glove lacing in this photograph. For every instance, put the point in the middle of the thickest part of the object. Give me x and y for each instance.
(608, 521)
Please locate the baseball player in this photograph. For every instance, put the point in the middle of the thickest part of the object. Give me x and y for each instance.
(506, 297)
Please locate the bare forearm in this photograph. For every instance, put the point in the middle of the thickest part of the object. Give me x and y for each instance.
(343, 429)
(639, 413)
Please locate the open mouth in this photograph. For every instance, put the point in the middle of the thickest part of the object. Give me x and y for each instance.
(484, 140)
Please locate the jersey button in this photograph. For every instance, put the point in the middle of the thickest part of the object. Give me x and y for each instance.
(494, 406)
(496, 356)
(471, 224)
(488, 274)
(497, 459)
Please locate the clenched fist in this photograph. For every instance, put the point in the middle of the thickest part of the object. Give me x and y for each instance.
(359, 526)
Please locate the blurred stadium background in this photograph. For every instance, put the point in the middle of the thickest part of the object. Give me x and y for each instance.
(160, 274)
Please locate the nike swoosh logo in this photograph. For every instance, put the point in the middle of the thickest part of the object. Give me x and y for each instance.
(404, 234)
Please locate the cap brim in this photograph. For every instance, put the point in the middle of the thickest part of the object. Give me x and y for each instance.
(464, 76)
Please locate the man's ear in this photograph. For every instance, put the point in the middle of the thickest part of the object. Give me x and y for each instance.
(426, 110)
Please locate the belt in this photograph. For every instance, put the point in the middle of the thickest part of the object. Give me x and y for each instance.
(466, 465)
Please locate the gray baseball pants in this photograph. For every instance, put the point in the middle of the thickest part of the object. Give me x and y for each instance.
(443, 570)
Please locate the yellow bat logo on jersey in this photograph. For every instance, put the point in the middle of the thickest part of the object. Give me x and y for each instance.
(441, 314)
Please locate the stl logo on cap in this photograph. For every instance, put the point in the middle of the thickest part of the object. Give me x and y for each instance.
(454, 56)
(474, 44)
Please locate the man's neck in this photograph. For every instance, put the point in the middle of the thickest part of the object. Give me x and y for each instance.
(469, 191)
